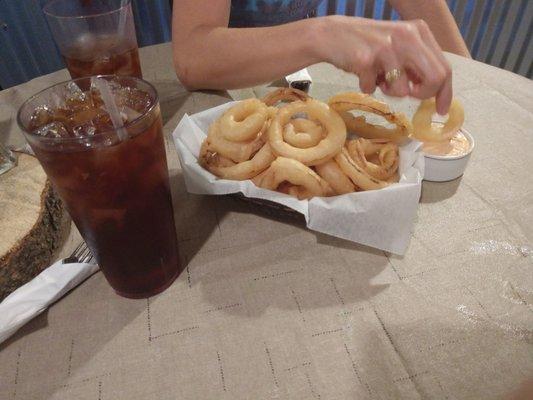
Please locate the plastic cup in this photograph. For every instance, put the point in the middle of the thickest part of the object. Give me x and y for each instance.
(116, 189)
(95, 37)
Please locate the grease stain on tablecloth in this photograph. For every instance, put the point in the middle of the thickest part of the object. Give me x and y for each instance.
(514, 331)
(495, 246)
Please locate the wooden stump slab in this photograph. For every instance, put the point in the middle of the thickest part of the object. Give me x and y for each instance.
(33, 223)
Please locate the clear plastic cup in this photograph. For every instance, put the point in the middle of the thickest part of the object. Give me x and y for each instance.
(95, 37)
(114, 185)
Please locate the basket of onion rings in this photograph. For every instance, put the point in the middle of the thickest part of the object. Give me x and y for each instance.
(348, 177)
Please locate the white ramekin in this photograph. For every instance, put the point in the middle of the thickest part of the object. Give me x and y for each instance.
(447, 168)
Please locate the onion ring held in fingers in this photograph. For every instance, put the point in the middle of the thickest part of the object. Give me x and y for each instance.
(424, 129)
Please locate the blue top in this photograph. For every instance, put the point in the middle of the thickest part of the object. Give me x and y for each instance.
(250, 13)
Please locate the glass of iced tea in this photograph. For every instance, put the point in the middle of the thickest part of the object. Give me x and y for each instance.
(104, 152)
(95, 37)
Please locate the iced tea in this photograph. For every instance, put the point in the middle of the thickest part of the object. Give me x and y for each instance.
(103, 55)
(115, 186)
(95, 37)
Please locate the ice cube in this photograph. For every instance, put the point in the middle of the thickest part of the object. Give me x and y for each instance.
(84, 130)
(133, 98)
(101, 63)
(138, 100)
(94, 94)
(94, 91)
(83, 116)
(128, 114)
(90, 122)
(41, 116)
(53, 130)
(75, 98)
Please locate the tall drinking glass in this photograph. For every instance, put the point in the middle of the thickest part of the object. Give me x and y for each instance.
(95, 37)
(112, 175)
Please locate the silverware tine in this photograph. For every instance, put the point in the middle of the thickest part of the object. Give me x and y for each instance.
(80, 254)
(85, 256)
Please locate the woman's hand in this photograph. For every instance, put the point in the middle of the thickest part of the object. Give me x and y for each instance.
(209, 55)
(371, 48)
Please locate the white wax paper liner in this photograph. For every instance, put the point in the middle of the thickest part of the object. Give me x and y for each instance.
(34, 297)
(379, 218)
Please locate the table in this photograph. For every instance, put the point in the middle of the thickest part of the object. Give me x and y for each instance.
(267, 309)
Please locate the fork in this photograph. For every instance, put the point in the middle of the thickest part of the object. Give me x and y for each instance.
(81, 254)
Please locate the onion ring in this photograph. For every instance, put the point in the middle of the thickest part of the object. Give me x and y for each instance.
(333, 175)
(302, 133)
(328, 147)
(358, 175)
(373, 146)
(345, 102)
(288, 170)
(358, 149)
(425, 131)
(243, 121)
(208, 157)
(286, 95)
(235, 151)
(293, 190)
(226, 169)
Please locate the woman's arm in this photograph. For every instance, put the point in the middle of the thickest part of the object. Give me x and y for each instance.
(209, 55)
(440, 20)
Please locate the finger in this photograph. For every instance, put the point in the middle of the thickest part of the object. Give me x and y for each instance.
(432, 76)
(367, 81)
(445, 95)
(420, 58)
(413, 76)
(398, 87)
(444, 98)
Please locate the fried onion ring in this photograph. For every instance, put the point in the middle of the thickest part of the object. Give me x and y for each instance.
(358, 175)
(243, 121)
(286, 95)
(328, 147)
(345, 102)
(288, 170)
(333, 175)
(302, 133)
(293, 190)
(226, 169)
(360, 149)
(425, 131)
(235, 151)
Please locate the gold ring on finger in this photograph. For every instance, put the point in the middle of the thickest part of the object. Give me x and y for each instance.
(392, 76)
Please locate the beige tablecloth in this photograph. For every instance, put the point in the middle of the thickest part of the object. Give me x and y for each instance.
(268, 310)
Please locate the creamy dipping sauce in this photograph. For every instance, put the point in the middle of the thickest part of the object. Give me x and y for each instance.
(458, 145)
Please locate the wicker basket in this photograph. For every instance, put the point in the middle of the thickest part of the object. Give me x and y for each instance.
(267, 207)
